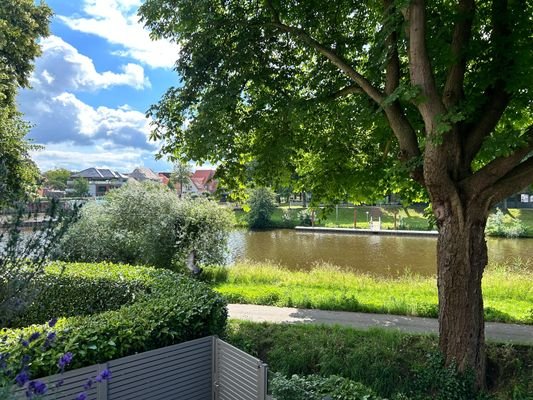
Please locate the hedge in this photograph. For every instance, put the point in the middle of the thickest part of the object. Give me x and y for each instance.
(164, 308)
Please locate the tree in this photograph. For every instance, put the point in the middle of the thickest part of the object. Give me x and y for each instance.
(361, 99)
(181, 175)
(57, 178)
(80, 187)
(262, 205)
(18, 173)
(22, 22)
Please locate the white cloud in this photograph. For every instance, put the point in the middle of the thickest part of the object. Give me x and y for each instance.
(116, 21)
(76, 158)
(61, 67)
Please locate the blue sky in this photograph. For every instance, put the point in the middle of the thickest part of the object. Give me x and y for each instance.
(97, 76)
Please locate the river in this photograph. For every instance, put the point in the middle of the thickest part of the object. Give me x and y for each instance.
(379, 255)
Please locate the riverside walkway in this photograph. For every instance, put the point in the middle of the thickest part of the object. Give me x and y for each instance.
(495, 331)
(357, 231)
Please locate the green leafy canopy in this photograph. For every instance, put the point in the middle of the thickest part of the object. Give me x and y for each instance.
(265, 103)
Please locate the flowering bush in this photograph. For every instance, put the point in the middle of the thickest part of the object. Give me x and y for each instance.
(15, 376)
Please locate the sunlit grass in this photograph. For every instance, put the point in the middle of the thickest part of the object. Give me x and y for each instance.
(507, 289)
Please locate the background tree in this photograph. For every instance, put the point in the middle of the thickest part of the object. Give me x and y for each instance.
(18, 173)
(80, 187)
(361, 99)
(57, 178)
(262, 203)
(22, 22)
(180, 175)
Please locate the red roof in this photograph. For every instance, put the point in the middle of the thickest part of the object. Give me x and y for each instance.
(203, 179)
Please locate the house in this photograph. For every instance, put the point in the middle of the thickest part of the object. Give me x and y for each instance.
(101, 180)
(203, 181)
(142, 174)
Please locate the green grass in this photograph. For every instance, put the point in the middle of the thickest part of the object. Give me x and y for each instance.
(386, 361)
(507, 289)
(411, 218)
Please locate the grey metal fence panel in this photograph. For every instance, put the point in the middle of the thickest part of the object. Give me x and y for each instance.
(201, 369)
(73, 382)
(239, 376)
(181, 371)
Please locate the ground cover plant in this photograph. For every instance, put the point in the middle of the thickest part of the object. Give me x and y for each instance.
(507, 289)
(163, 308)
(387, 363)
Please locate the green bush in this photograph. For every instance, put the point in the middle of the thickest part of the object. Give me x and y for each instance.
(262, 205)
(146, 224)
(82, 289)
(497, 225)
(315, 387)
(173, 308)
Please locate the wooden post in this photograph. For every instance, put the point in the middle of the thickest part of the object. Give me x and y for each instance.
(355, 217)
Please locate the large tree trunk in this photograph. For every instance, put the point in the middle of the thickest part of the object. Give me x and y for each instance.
(461, 259)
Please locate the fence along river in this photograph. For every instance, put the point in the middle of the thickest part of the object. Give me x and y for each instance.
(378, 255)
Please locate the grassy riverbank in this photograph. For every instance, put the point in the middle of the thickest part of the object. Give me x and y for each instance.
(411, 218)
(507, 289)
(388, 362)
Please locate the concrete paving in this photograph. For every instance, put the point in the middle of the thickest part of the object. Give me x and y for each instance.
(494, 331)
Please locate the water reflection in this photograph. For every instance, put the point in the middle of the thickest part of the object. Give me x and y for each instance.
(388, 255)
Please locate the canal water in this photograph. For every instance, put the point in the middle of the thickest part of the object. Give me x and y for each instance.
(375, 254)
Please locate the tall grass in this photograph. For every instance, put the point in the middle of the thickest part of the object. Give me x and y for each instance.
(507, 289)
(387, 361)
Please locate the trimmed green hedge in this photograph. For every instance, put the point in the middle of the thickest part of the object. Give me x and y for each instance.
(83, 289)
(168, 308)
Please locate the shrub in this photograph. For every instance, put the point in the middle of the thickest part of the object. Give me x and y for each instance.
(305, 217)
(23, 257)
(173, 308)
(262, 205)
(146, 224)
(498, 226)
(83, 289)
(314, 387)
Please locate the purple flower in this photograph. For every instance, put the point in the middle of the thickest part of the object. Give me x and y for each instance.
(25, 343)
(37, 387)
(34, 336)
(65, 360)
(51, 336)
(88, 384)
(81, 396)
(103, 376)
(22, 378)
(52, 322)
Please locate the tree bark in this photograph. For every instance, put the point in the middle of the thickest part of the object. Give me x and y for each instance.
(461, 260)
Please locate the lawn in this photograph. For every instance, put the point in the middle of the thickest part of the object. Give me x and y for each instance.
(507, 290)
(409, 218)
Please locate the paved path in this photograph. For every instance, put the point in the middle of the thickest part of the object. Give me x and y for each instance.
(494, 331)
(390, 232)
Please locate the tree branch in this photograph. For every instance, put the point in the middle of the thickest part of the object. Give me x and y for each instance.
(453, 88)
(400, 125)
(490, 114)
(345, 91)
(392, 71)
(490, 174)
(515, 180)
(498, 99)
(420, 66)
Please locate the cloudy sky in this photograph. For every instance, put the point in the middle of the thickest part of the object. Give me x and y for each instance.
(97, 76)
